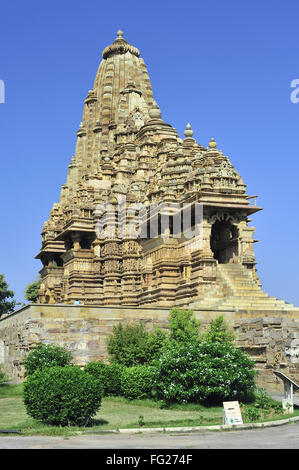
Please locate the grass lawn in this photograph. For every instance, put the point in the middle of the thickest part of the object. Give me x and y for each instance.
(115, 413)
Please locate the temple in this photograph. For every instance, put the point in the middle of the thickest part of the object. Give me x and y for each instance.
(147, 221)
(117, 235)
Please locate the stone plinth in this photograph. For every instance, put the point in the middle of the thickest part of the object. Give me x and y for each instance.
(272, 341)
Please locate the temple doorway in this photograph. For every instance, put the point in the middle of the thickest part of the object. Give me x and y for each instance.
(224, 241)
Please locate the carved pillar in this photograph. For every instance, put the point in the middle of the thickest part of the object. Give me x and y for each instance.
(208, 262)
(131, 271)
(110, 251)
(246, 251)
(112, 268)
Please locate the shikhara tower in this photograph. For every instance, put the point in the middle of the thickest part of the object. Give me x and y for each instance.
(126, 151)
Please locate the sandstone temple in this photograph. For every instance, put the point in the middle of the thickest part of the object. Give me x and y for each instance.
(116, 247)
(126, 152)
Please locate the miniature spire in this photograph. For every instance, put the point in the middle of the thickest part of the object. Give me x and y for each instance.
(155, 112)
(188, 132)
(120, 34)
(212, 144)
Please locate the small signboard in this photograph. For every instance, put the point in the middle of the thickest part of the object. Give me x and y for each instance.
(232, 413)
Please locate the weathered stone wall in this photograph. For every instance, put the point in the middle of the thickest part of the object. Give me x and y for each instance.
(272, 341)
(82, 329)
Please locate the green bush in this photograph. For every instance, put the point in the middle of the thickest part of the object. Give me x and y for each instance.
(108, 374)
(98, 371)
(264, 401)
(113, 384)
(131, 345)
(218, 331)
(197, 372)
(251, 413)
(46, 355)
(138, 382)
(62, 395)
(183, 325)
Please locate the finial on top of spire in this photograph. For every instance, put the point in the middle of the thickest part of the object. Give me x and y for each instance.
(212, 144)
(188, 132)
(120, 46)
(155, 112)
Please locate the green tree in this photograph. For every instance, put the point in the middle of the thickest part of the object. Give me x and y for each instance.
(31, 291)
(183, 325)
(218, 331)
(6, 305)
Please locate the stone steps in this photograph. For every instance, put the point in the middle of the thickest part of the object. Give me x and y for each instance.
(238, 290)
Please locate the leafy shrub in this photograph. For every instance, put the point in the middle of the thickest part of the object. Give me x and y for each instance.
(264, 401)
(131, 345)
(197, 372)
(97, 369)
(138, 382)
(262, 407)
(46, 355)
(183, 325)
(3, 377)
(113, 383)
(217, 331)
(108, 374)
(157, 339)
(62, 395)
(251, 413)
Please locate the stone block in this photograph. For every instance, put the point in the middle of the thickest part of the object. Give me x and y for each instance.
(272, 321)
(260, 341)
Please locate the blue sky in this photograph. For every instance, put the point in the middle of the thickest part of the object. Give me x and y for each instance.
(225, 67)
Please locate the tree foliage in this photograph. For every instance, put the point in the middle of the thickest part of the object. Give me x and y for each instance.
(31, 291)
(7, 301)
